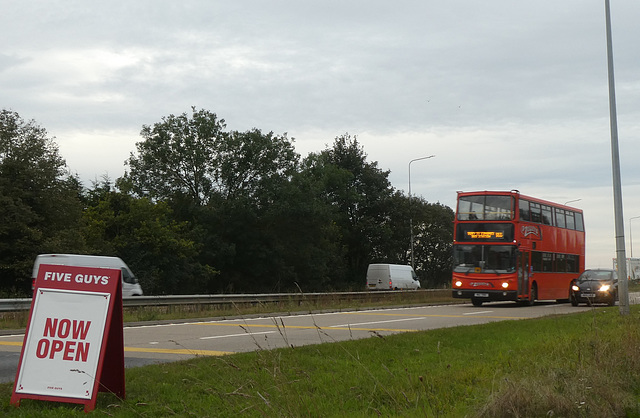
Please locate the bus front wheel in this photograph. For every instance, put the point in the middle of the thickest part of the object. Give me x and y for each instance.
(476, 302)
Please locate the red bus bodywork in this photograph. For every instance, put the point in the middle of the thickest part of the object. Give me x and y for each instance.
(511, 247)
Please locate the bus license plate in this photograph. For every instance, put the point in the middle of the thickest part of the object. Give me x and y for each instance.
(588, 295)
(480, 295)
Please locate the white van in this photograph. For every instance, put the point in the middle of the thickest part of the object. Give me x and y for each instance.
(391, 277)
(130, 285)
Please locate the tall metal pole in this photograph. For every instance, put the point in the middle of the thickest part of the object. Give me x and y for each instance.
(623, 284)
(411, 207)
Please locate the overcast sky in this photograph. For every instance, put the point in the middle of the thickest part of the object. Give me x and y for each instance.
(506, 94)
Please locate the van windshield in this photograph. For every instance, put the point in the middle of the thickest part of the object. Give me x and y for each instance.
(128, 277)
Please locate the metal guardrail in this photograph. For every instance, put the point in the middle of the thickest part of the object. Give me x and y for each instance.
(24, 304)
(13, 305)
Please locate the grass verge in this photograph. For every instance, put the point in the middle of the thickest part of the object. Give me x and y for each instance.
(579, 365)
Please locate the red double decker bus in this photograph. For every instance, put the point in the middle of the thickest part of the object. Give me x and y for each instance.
(508, 246)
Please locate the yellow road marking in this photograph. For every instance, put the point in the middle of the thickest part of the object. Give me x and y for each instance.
(152, 350)
(436, 316)
(178, 351)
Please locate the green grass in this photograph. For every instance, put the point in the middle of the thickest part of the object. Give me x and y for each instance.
(578, 365)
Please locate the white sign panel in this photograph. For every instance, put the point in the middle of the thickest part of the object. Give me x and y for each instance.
(62, 350)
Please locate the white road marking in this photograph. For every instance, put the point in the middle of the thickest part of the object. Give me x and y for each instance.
(237, 335)
(477, 313)
(376, 322)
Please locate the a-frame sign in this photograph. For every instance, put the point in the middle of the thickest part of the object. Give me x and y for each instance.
(73, 346)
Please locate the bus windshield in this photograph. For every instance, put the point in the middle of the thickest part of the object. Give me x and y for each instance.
(485, 207)
(484, 258)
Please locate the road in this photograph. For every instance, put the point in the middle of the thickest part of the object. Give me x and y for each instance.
(156, 343)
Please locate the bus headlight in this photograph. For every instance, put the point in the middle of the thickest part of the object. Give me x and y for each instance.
(605, 288)
(458, 283)
(505, 285)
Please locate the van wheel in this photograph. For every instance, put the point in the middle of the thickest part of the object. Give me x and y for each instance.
(476, 302)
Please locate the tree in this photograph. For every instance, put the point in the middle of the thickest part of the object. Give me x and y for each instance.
(241, 223)
(433, 238)
(433, 235)
(158, 249)
(394, 245)
(39, 206)
(223, 184)
(191, 160)
(254, 165)
(178, 157)
(358, 192)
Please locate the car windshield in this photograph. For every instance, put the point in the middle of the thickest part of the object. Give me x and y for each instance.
(596, 275)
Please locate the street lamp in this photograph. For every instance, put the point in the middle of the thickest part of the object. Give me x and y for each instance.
(623, 285)
(570, 201)
(410, 206)
(630, 236)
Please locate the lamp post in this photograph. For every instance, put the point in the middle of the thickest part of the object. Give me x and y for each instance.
(631, 236)
(623, 285)
(570, 201)
(410, 206)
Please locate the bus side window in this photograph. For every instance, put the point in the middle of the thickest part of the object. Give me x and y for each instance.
(536, 214)
(547, 262)
(561, 263)
(571, 224)
(525, 214)
(546, 215)
(572, 263)
(579, 222)
(560, 220)
(536, 261)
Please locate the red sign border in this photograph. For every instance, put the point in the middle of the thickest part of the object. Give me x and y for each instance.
(112, 344)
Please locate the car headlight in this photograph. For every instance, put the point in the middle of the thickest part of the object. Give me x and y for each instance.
(605, 287)
(575, 288)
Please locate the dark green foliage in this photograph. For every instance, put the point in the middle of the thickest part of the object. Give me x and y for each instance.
(39, 207)
(177, 157)
(205, 210)
(144, 234)
(358, 192)
(433, 234)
